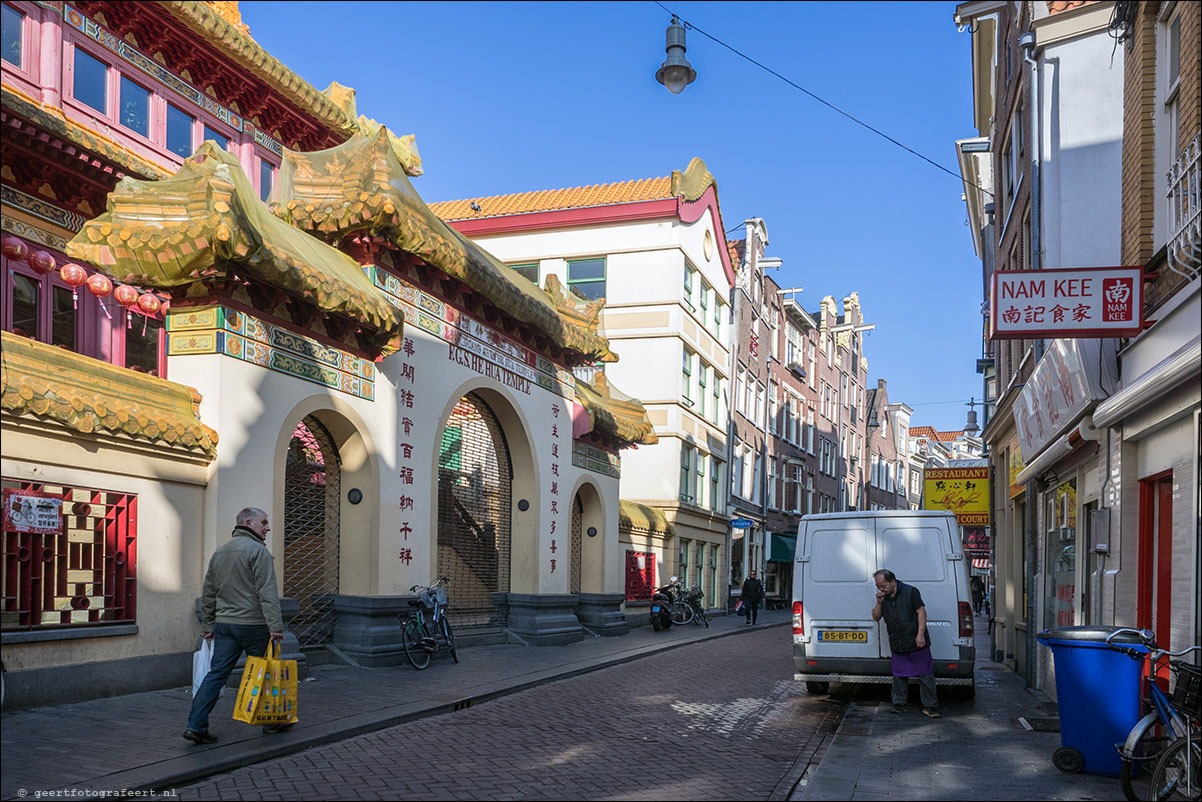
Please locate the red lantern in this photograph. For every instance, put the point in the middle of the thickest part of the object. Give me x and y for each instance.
(126, 295)
(13, 247)
(73, 275)
(42, 262)
(99, 285)
(149, 303)
(164, 305)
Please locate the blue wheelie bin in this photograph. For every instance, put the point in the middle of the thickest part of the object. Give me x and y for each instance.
(1098, 691)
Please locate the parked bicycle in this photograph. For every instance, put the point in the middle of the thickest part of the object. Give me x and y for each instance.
(693, 598)
(1162, 757)
(425, 630)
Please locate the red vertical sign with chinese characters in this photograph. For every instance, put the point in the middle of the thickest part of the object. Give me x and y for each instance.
(556, 419)
(405, 399)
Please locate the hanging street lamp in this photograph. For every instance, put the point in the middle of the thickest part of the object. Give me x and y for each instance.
(676, 72)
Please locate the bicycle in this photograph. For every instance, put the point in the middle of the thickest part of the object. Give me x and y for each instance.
(692, 598)
(1162, 748)
(425, 630)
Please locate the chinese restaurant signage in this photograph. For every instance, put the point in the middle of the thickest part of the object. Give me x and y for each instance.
(1094, 302)
(1063, 384)
(964, 491)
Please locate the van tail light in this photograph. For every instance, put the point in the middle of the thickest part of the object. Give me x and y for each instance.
(798, 619)
(965, 620)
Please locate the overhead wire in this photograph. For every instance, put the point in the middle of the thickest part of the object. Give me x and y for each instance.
(823, 101)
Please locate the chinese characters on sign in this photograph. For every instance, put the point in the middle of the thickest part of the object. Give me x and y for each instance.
(964, 491)
(29, 511)
(555, 421)
(1094, 302)
(408, 427)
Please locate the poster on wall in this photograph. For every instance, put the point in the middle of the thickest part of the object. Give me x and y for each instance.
(30, 511)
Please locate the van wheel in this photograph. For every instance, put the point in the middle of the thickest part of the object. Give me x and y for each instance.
(818, 687)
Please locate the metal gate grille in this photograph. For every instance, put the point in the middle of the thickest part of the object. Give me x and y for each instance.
(311, 496)
(577, 545)
(474, 485)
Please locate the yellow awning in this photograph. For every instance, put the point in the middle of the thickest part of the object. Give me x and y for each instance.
(614, 414)
(633, 517)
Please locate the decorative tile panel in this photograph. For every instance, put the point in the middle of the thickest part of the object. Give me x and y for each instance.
(32, 233)
(42, 209)
(220, 330)
(449, 324)
(596, 460)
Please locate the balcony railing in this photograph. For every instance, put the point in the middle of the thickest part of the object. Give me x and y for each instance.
(1185, 211)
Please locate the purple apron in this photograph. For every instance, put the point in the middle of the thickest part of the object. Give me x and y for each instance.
(913, 664)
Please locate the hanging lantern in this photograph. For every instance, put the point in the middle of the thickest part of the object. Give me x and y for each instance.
(164, 305)
(126, 295)
(13, 247)
(99, 285)
(149, 303)
(42, 262)
(72, 274)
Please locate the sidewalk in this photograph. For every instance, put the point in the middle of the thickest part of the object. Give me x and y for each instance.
(979, 750)
(135, 742)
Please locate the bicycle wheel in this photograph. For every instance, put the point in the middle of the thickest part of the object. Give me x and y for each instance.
(699, 616)
(681, 613)
(1178, 773)
(1135, 776)
(448, 638)
(411, 639)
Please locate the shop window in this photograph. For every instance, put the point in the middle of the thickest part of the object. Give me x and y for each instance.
(1061, 552)
(586, 278)
(90, 86)
(640, 575)
(69, 556)
(179, 131)
(12, 44)
(135, 107)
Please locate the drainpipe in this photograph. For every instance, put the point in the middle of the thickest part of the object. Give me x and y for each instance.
(1027, 43)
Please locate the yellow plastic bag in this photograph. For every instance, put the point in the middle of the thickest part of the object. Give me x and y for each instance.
(267, 693)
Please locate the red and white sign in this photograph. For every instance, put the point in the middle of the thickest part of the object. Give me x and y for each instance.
(1091, 302)
(33, 511)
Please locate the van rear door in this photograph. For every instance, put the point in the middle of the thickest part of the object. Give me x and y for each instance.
(838, 558)
(916, 550)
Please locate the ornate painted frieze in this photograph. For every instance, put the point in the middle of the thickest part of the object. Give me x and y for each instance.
(32, 233)
(42, 209)
(132, 55)
(594, 459)
(480, 342)
(220, 330)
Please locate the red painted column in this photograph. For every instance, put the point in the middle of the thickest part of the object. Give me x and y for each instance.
(50, 58)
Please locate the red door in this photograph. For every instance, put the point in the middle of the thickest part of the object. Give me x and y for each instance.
(1154, 603)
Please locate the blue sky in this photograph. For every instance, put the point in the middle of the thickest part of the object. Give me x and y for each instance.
(511, 97)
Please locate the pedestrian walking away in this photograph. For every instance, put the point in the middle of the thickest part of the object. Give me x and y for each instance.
(240, 612)
(905, 615)
(978, 594)
(752, 595)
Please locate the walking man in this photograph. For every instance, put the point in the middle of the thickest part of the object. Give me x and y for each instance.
(752, 595)
(240, 612)
(905, 615)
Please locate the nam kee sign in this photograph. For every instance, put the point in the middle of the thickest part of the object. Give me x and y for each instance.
(1091, 302)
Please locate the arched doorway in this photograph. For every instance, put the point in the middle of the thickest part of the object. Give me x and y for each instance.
(577, 553)
(312, 478)
(475, 477)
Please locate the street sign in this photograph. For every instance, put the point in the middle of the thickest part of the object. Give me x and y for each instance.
(1093, 302)
(741, 523)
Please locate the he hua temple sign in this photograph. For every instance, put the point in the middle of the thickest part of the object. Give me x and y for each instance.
(1093, 302)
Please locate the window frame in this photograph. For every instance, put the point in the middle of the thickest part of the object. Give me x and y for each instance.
(603, 281)
(520, 266)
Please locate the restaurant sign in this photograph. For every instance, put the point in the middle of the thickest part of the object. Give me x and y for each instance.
(1093, 302)
(964, 491)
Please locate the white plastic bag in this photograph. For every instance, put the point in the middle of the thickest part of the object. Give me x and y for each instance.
(202, 661)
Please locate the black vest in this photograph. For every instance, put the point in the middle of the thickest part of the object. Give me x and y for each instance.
(901, 618)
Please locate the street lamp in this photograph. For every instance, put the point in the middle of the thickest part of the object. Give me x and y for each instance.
(676, 72)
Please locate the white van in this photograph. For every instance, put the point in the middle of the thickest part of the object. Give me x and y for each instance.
(834, 636)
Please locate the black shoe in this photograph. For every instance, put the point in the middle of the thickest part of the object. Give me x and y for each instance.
(201, 737)
(272, 729)
(899, 709)
(931, 712)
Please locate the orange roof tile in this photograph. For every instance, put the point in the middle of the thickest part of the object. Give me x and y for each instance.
(1056, 6)
(924, 431)
(950, 437)
(549, 200)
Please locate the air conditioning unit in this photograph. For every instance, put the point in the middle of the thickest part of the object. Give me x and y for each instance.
(798, 368)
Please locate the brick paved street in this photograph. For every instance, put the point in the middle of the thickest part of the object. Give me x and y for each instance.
(734, 719)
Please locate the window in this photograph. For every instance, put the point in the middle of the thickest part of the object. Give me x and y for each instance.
(699, 486)
(84, 573)
(143, 343)
(179, 131)
(640, 575)
(717, 317)
(686, 473)
(586, 278)
(135, 107)
(12, 45)
(717, 501)
(266, 179)
(701, 387)
(682, 569)
(686, 377)
(91, 81)
(216, 136)
(528, 270)
(772, 476)
(688, 286)
(715, 385)
(774, 410)
(705, 303)
(736, 474)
